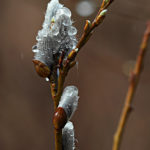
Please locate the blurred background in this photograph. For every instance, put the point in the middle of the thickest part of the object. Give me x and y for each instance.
(26, 108)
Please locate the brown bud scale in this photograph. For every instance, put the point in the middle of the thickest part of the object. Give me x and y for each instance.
(60, 118)
(41, 69)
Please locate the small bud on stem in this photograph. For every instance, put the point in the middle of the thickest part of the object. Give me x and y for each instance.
(60, 118)
(41, 68)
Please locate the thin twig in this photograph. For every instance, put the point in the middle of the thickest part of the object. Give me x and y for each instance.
(58, 139)
(131, 90)
(89, 27)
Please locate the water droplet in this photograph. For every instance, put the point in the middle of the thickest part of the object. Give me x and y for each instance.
(72, 31)
(38, 38)
(67, 11)
(64, 11)
(34, 47)
(47, 79)
(73, 45)
(85, 8)
(73, 38)
(59, 40)
(57, 72)
(67, 22)
(35, 50)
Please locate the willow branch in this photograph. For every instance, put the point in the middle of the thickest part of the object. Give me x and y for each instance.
(88, 29)
(57, 90)
(131, 90)
(87, 33)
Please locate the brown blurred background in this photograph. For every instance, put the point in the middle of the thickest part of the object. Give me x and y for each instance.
(26, 107)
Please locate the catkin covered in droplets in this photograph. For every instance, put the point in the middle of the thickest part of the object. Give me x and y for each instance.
(66, 108)
(57, 35)
(68, 138)
(69, 100)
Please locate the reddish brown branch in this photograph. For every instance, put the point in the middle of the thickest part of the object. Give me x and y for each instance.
(131, 90)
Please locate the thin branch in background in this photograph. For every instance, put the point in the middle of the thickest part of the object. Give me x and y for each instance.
(135, 76)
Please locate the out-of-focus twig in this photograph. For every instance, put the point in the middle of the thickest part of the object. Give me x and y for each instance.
(131, 90)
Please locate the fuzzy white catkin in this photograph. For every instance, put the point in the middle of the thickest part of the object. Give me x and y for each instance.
(57, 35)
(68, 139)
(69, 100)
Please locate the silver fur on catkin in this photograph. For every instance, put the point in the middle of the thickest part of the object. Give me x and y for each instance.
(57, 35)
(69, 100)
(68, 139)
